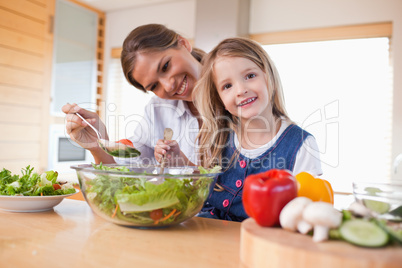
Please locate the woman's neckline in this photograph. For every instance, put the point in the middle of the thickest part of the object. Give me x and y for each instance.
(192, 108)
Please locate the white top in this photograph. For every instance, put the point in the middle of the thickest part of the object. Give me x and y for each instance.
(160, 114)
(307, 158)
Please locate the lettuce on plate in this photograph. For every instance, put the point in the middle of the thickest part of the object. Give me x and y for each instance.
(32, 183)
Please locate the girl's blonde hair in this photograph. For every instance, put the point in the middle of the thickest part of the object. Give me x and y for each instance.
(217, 121)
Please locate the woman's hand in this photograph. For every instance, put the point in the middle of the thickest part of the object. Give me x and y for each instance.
(170, 149)
(82, 134)
(79, 130)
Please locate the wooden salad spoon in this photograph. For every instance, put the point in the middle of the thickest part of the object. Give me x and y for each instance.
(167, 135)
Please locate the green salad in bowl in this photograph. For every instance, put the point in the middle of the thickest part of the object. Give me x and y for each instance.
(140, 196)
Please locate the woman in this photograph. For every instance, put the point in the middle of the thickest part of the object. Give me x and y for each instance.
(154, 58)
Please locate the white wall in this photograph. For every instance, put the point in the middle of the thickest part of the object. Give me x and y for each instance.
(179, 16)
(273, 16)
(229, 18)
(284, 15)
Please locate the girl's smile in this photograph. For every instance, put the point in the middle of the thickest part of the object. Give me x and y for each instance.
(246, 103)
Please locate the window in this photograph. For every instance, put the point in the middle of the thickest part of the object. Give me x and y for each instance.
(341, 92)
(74, 66)
(124, 103)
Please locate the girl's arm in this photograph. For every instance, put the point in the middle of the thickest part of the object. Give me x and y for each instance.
(308, 158)
(173, 155)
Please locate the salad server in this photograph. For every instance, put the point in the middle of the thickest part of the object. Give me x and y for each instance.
(112, 148)
(167, 135)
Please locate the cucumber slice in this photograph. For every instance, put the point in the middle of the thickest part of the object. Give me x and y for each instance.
(377, 206)
(373, 205)
(372, 190)
(363, 233)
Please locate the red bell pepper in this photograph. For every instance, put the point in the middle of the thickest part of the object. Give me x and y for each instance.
(266, 193)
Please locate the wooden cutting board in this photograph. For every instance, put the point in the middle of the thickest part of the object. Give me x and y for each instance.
(275, 247)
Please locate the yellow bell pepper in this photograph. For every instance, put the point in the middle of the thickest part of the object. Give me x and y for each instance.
(314, 188)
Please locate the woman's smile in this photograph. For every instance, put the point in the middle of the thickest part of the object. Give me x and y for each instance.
(184, 88)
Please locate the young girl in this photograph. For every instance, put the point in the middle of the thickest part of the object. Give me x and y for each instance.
(245, 126)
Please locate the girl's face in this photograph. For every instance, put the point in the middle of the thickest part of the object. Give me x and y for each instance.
(242, 87)
(170, 74)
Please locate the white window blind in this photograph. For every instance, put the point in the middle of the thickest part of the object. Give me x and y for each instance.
(341, 92)
(124, 104)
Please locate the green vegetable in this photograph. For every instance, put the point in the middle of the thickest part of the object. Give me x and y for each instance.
(117, 168)
(394, 229)
(133, 199)
(346, 215)
(128, 152)
(48, 178)
(377, 206)
(397, 212)
(31, 184)
(151, 198)
(363, 233)
(334, 234)
(215, 169)
(374, 205)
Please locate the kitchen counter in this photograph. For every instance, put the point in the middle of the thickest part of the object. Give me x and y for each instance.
(71, 235)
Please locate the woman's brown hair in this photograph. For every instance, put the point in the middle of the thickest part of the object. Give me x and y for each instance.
(148, 38)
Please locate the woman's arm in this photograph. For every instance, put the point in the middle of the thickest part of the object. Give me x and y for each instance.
(83, 135)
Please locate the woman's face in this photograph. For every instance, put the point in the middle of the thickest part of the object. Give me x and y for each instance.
(170, 74)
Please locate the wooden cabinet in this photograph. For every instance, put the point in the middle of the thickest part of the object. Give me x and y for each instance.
(26, 51)
(26, 42)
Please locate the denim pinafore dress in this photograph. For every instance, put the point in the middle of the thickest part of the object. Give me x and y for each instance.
(227, 204)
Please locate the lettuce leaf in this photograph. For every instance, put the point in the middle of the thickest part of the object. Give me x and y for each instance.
(136, 198)
(30, 183)
(215, 169)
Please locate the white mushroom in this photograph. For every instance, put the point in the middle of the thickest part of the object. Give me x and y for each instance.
(291, 217)
(322, 216)
(359, 210)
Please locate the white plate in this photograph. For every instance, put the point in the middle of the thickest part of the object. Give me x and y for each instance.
(30, 203)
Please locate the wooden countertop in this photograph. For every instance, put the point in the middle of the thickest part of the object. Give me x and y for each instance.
(71, 235)
(275, 247)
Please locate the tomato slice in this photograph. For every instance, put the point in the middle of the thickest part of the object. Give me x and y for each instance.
(56, 186)
(126, 142)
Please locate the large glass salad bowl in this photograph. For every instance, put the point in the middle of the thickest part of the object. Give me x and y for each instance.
(140, 196)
